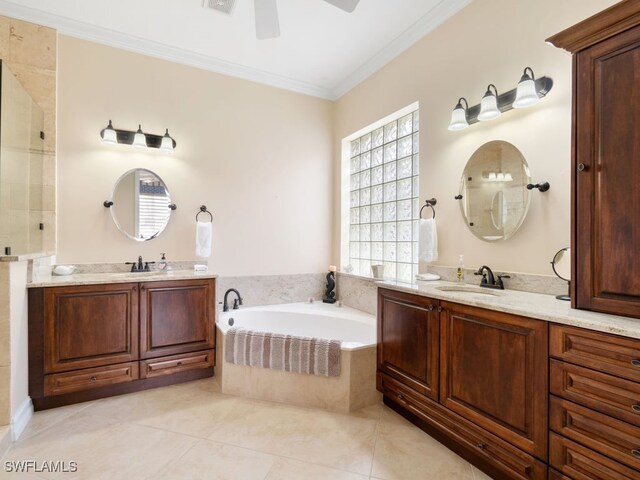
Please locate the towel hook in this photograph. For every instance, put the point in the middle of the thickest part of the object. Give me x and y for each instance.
(429, 203)
(203, 209)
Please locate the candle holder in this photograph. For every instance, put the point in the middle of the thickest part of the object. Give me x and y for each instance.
(329, 292)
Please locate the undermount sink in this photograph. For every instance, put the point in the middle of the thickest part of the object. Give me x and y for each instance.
(469, 290)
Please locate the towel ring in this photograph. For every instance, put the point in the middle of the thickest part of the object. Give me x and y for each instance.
(203, 209)
(429, 203)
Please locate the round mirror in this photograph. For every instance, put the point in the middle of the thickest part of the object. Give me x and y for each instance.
(561, 265)
(141, 204)
(494, 191)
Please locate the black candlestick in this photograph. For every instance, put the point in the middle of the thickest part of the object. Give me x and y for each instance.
(329, 294)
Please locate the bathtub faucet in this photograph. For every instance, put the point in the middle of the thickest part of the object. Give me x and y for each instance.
(236, 303)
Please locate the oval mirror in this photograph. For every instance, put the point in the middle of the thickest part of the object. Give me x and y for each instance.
(141, 204)
(494, 191)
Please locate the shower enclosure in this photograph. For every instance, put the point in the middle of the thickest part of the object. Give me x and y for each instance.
(21, 168)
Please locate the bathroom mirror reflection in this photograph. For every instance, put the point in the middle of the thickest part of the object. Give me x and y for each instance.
(494, 191)
(141, 204)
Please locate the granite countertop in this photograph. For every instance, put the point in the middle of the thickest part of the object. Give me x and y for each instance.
(120, 277)
(532, 305)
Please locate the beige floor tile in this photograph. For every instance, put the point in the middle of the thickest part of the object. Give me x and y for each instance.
(478, 475)
(390, 417)
(287, 469)
(48, 418)
(335, 440)
(4, 475)
(209, 460)
(406, 452)
(104, 448)
(206, 385)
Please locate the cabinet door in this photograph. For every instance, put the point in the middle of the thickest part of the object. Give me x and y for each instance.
(408, 340)
(494, 372)
(176, 317)
(90, 326)
(607, 150)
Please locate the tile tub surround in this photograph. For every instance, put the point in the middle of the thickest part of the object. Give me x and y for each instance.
(274, 289)
(194, 431)
(357, 292)
(532, 305)
(354, 389)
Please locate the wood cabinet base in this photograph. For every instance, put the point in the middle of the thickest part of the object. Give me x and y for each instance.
(44, 403)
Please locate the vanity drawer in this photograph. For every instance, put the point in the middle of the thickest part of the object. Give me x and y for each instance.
(606, 353)
(599, 391)
(555, 475)
(606, 435)
(177, 363)
(512, 461)
(581, 463)
(59, 383)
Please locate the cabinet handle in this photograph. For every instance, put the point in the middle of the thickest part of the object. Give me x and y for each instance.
(482, 446)
(178, 364)
(94, 378)
(635, 362)
(636, 408)
(440, 309)
(581, 167)
(134, 288)
(430, 307)
(635, 452)
(401, 397)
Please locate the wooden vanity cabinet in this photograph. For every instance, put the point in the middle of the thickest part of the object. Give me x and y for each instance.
(408, 340)
(606, 148)
(486, 396)
(92, 341)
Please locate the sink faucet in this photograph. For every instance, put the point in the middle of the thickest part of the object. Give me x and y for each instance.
(140, 265)
(489, 280)
(236, 303)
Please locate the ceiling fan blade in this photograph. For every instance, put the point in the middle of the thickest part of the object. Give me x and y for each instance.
(267, 23)
(346, 5)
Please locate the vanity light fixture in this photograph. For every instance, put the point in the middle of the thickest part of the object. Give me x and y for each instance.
(111, 136)
(528, 92)
(139, 139)
(459, 116)
(489, 105)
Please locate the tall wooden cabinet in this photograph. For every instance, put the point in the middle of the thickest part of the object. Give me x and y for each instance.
(606, 153)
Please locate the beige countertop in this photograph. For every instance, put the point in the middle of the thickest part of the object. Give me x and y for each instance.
(532, 305)
(120, 277)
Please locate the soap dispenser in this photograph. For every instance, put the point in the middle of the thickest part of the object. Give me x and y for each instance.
(163, 264)
(460, 270)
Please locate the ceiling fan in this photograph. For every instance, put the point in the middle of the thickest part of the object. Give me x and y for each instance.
(267, 23)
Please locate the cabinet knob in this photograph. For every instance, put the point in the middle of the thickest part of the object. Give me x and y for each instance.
(635, 362)
(430, 307)
(482, 446)
(94, 378)
(401, 396)
(179, 363)
(635, 453)
(582, 167)
(636, 408)
(134, 288)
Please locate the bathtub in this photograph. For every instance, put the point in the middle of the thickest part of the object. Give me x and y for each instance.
(355, 388)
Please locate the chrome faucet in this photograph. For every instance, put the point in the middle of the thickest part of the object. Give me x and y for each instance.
(236, 303)
(489, 280)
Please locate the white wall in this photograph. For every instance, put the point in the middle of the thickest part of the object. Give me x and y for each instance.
(260, 158)
(490, 41)
(19, 338)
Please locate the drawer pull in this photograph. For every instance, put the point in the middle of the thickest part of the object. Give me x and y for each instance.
(635, 453)
(401, 397)
(94, 378)
(636, 408)
(179, 363)
(635, 362)
(482, 446)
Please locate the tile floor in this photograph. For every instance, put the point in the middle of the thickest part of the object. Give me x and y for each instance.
(192, 431)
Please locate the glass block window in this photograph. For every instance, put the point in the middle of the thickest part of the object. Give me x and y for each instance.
(384, 199)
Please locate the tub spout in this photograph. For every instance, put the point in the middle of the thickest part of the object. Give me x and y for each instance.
(236, 303)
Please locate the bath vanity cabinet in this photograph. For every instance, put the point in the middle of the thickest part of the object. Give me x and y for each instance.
(520, 398)
(91, 341)
(473, 378)
(605, 172)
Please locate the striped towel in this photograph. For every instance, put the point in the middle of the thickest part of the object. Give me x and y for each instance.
(288, 353)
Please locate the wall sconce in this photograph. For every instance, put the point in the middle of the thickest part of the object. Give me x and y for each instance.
(113, 136)
(528, 92)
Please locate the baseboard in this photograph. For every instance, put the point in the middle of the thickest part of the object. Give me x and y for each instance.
(21, 419)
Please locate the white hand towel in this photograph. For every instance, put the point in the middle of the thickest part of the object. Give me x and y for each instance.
(204, 232)
(428, 241)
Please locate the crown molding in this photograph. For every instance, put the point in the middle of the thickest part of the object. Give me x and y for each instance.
(426, 24)
(105, 36)
(74, 28)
